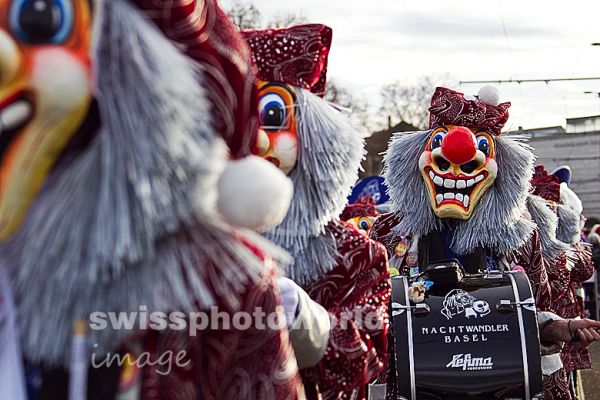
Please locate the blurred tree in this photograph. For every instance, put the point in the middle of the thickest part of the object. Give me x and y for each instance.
(409, 102)
(360, 113)
(245, 16)
(285, 20)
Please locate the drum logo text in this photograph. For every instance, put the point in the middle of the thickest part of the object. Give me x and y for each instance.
(457, 301)
(467, 362)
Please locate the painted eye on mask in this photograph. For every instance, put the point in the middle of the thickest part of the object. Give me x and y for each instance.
(41, 21)
(483, 145)
(437, 140)
(364, 224)
(272, 112)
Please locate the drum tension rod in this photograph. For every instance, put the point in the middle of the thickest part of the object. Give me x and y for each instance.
(419, 310)
(509, 306)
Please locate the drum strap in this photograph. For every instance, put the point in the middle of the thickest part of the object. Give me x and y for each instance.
(432, 249)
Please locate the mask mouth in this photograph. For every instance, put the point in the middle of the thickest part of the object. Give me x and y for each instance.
(274, 161)
(454, 189)
(16, 112)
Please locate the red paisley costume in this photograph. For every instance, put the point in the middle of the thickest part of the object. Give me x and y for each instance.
(356, 353)
(566, 272)
(420, 227)
(342, 270)
(224, 363)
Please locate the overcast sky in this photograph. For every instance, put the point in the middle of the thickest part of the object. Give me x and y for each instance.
(380, 41)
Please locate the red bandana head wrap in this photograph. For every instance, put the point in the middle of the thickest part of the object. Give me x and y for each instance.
(365, 206)
(207, 35)
(296, 56)
(449, 107)
(544, 185)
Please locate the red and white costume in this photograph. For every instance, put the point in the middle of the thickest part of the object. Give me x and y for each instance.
(342, 270)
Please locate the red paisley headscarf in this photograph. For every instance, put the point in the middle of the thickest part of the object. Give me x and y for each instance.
(296, 56)
(545, 185)
(449, 107)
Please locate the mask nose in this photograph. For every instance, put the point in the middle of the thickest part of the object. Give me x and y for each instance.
(459, 146)
(10, 59)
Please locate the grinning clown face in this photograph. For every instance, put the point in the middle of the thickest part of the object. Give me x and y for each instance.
(278, 137)
(44, 94)
(458, 166)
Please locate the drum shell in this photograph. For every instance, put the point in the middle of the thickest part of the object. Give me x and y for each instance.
(464, 347)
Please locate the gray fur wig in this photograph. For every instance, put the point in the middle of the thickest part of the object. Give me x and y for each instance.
(328, 163)
(130, 221)
(497, 221)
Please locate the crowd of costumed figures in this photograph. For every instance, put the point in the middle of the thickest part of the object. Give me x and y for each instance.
(159, 164)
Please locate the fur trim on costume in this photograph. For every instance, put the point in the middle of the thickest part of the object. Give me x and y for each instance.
(497, 221)
(121, 226)
(570, 199)
(328, 162)
(569, 225)
(547, 224)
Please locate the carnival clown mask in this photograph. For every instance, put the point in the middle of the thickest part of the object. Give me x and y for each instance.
(278, 137)
(458, 163)
(458, 166)
(362, 214)
(290, 64)
(45, 94)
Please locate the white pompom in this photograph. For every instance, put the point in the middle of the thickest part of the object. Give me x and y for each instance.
(490, 95)
(254, 194)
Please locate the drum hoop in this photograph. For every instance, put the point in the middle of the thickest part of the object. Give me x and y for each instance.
(411, 354)
(522, 335)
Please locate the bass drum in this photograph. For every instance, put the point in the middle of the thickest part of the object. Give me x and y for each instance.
(478, 340)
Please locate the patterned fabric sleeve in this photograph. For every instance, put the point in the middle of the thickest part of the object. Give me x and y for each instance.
(382, 231)
(251, 364)
(583, 267)
(356, 294)
(559, 277)
(529, 256)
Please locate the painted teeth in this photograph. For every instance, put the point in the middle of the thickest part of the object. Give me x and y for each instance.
(451, 184)
(15, 114)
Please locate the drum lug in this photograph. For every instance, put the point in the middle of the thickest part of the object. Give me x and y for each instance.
(506, 306)
(419, 310)
(494, 274)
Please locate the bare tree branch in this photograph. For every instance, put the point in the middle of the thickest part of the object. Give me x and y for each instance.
(285, 20)
(245, 16)
(410, 102)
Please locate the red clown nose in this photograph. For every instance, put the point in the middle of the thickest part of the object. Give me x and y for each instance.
(458, 145)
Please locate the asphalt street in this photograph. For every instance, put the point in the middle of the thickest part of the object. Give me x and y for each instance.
(591, 378)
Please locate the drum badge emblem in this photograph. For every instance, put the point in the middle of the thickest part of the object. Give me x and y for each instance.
(458, 302)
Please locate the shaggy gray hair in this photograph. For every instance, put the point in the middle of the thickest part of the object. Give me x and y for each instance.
(497, 221)
(569, 227)
(547, 224)
(131, 220)
(329, 159)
